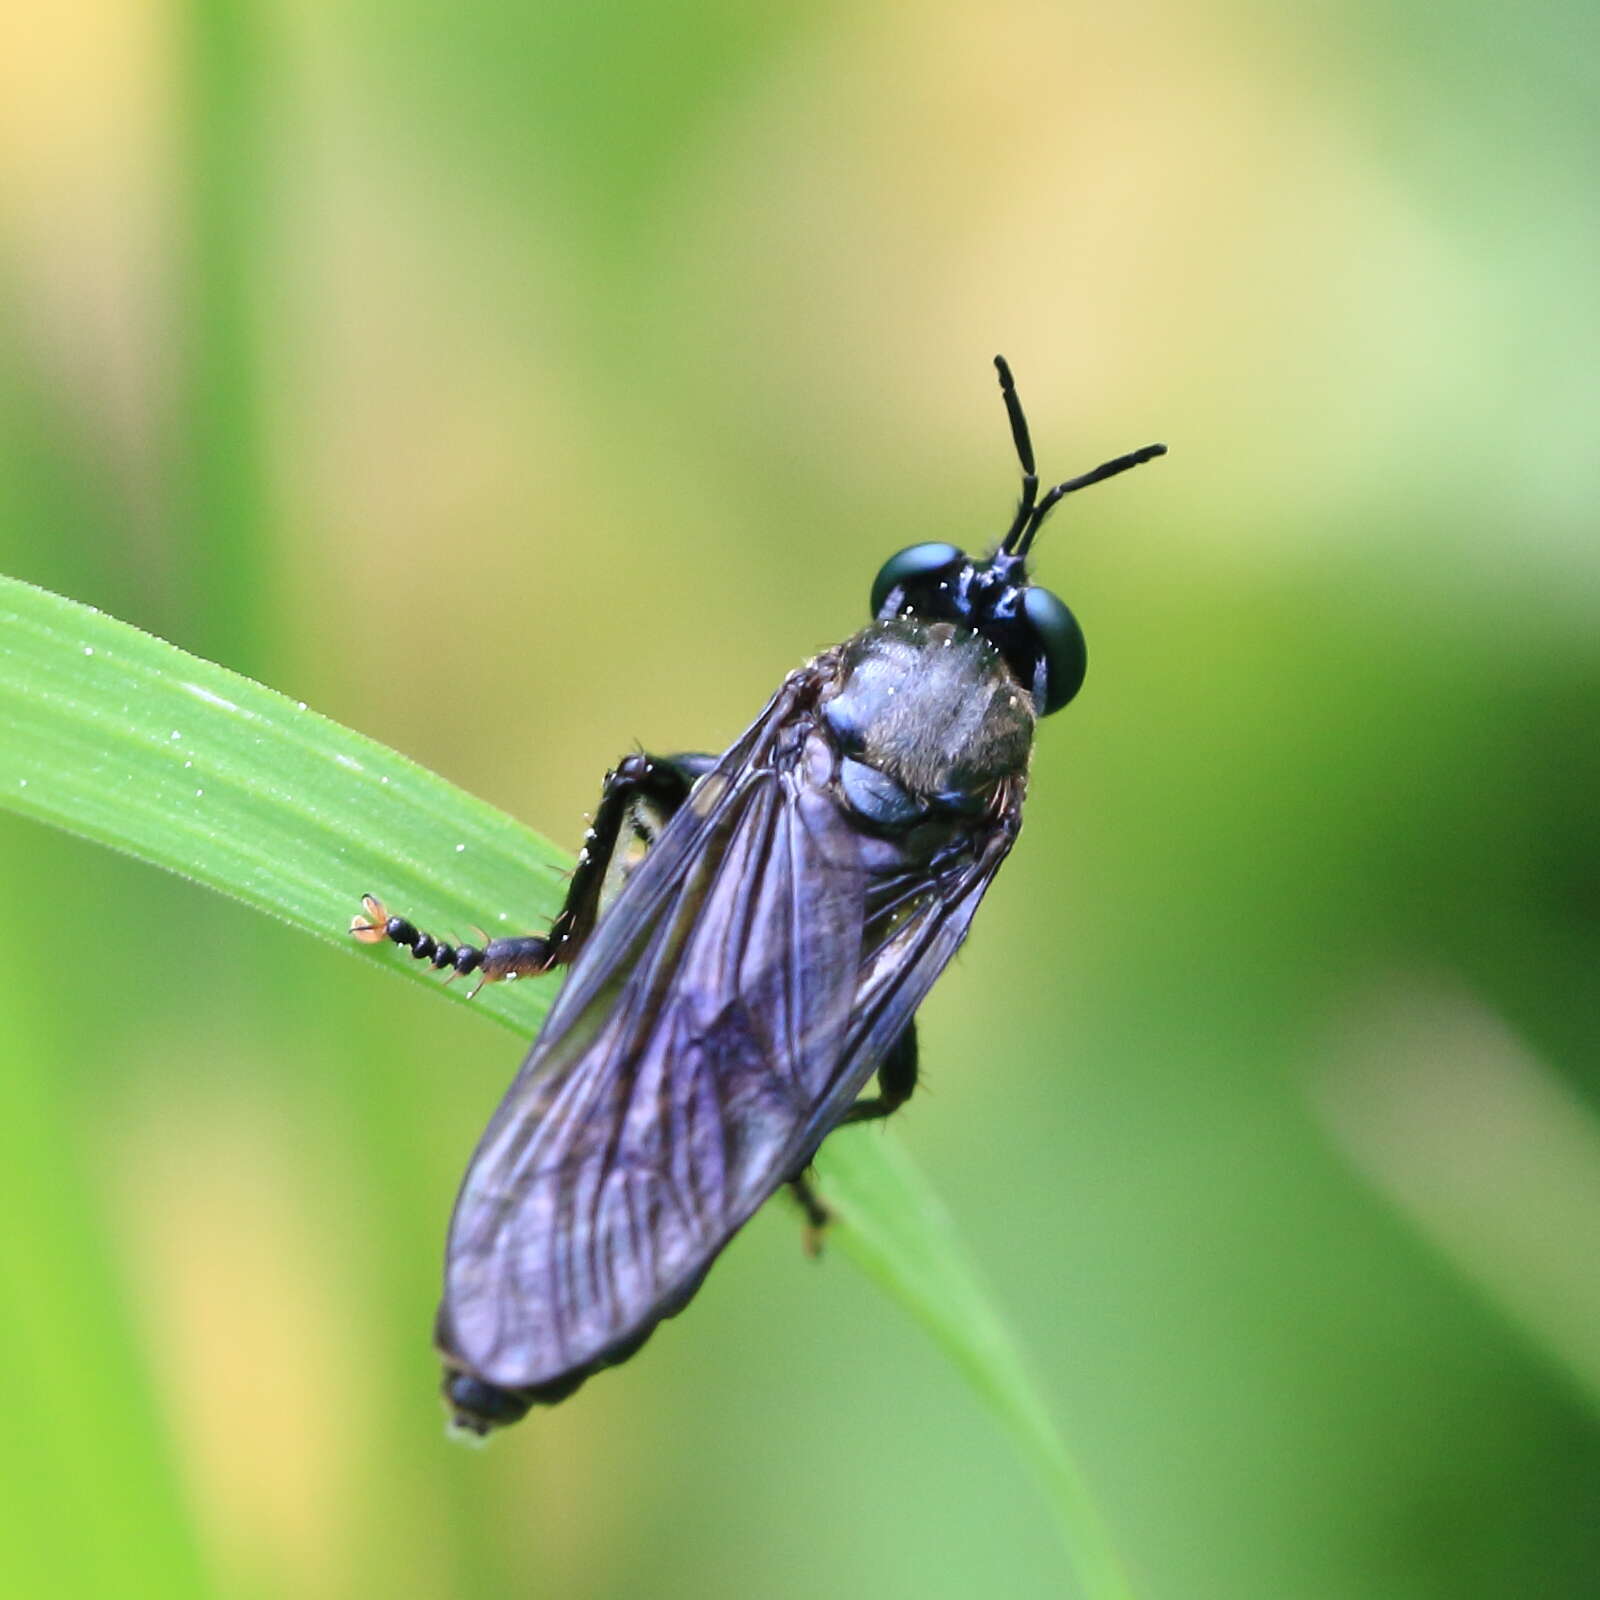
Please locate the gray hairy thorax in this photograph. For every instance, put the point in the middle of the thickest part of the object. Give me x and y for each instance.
(932, 707)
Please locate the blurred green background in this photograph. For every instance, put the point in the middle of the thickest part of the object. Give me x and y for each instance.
(516, 382)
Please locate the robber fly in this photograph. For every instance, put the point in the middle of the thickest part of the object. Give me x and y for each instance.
(732, 991)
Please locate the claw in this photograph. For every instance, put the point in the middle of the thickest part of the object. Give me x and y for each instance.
(369, 929)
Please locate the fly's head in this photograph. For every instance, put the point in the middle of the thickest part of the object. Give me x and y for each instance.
(1037, 636)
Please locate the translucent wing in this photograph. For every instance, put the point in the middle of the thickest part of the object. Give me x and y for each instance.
(726, 1010)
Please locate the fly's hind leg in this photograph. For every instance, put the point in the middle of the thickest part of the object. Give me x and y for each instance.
(897, 1077)
(640, 795)
(818, 1216)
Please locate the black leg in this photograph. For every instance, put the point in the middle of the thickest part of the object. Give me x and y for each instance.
(662, 782)
(818, 1216)
(897, 1077)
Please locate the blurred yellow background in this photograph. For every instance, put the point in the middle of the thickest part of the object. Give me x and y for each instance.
(513, 383)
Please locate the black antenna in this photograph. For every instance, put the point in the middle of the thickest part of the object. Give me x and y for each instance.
(1019, 435)
(1106, 469)
(1020, 536)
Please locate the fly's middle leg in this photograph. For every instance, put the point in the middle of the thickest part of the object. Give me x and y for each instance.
(897, 1077)
(639, 787)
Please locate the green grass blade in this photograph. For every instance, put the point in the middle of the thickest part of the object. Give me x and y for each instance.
(125, 739)
(898, 1232)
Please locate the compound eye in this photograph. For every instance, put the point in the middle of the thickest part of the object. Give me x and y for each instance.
(913, 566)
(1063, 656)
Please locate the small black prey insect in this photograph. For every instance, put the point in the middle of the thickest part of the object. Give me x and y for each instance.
(732, 990)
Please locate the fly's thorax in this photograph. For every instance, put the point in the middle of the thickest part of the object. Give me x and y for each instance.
(932, 707)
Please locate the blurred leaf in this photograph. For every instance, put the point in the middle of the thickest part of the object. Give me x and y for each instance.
(1484, 1149)
(93, 1503)
(125, 739)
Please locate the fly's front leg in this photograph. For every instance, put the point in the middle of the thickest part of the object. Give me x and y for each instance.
(897, 1077)
(641, 795)
(641, 792)
(497, 960)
